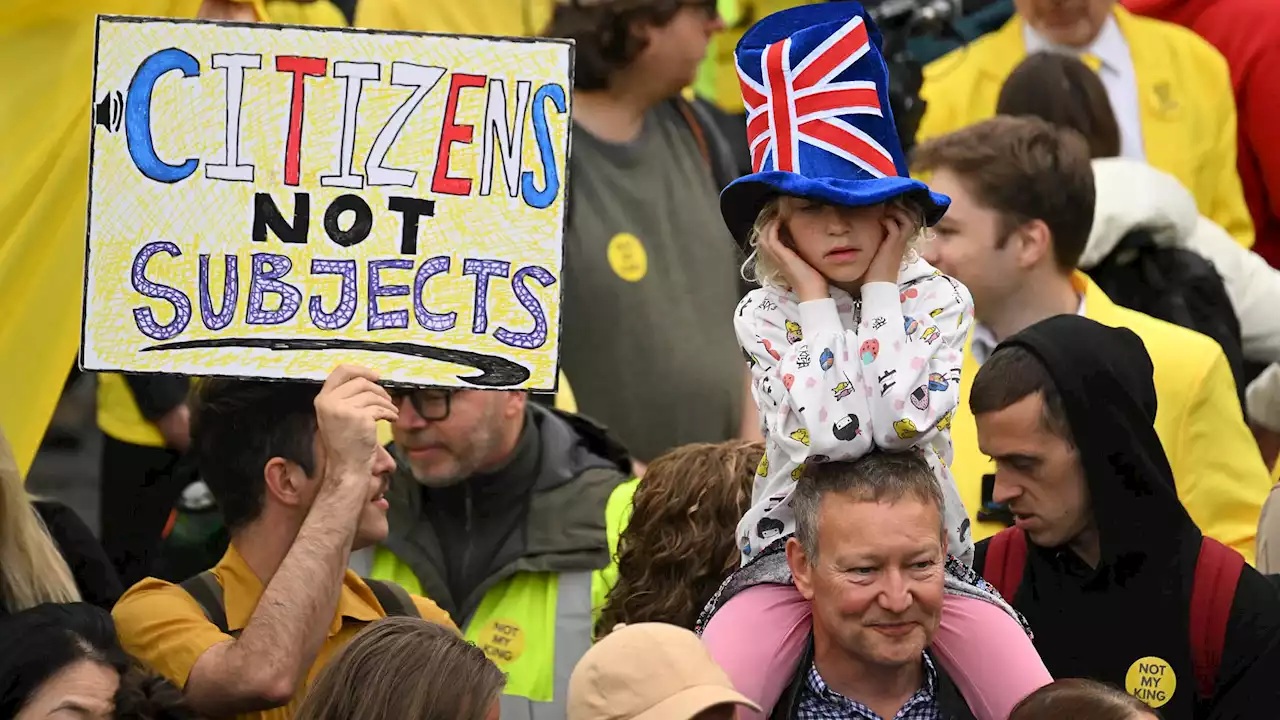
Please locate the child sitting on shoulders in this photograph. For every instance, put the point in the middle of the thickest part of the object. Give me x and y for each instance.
(854, 341)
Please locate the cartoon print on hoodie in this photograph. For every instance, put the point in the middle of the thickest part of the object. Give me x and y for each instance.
(883, 379)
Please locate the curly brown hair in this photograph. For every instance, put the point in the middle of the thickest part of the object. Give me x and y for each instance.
(679, 544)
(605, 34)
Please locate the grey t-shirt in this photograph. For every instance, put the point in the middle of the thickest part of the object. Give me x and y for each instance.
(650, 286)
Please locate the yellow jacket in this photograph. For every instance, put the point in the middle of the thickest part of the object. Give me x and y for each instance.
(1221, 478)
(1188, 112)
(518, 18)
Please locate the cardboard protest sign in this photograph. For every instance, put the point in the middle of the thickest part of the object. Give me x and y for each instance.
(271, 201)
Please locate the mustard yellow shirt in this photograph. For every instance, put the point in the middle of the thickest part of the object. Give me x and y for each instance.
(161, 625)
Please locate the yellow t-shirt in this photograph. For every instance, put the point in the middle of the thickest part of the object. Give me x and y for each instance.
(161, 625)
(521, 18)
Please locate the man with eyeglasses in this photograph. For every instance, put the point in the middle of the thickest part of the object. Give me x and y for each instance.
(507, 514)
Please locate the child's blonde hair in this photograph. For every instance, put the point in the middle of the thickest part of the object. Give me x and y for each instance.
(760, 269)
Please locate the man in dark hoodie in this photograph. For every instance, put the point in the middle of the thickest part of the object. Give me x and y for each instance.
(507, 514)
(1115, 579)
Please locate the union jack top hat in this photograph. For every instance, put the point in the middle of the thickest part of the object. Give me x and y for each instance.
(819, 124)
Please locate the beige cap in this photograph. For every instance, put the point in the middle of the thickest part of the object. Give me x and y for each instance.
(649, 671)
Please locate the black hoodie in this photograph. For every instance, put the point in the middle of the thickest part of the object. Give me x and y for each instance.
(1135, 604)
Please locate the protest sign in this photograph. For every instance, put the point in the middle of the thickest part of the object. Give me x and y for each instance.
(270, 201)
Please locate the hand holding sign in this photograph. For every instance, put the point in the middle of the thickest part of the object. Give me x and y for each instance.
(348, 409)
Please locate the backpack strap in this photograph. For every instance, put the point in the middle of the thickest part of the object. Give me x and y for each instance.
(207, 593)
(725, 167)
(1213, 592)
(699, 133)
(1006, 559)
(393, 598)
(205, 590)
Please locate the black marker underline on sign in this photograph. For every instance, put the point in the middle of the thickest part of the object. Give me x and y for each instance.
(495, 371)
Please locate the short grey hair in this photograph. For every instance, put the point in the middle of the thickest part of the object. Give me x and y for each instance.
(879, 476)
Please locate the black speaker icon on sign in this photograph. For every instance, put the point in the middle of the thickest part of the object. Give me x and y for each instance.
(110, 111)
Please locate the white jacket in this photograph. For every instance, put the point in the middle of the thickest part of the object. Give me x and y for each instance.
(834, 377)
(1132, 194)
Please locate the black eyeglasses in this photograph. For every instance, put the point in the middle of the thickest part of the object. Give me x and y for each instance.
(430, 404)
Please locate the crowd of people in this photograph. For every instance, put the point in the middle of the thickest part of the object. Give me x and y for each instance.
(983, 430)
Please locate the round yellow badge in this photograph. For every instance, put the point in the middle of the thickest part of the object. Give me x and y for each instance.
(502, 641)
(627, 257)
(1151, 680)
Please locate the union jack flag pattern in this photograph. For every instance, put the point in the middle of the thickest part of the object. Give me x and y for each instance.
(819, 122)
(800, 98)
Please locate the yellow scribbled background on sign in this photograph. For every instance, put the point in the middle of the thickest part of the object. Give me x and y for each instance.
(200, 215)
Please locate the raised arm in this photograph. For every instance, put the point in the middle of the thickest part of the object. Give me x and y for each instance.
(264, 666)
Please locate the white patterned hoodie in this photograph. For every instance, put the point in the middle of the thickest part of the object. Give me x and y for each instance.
(834, 377)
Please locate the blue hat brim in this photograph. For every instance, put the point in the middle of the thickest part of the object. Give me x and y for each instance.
(742, 200)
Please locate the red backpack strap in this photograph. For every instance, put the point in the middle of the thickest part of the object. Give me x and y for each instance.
(1006, 558)
(1212, 593)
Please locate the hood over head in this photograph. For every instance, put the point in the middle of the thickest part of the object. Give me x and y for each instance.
(1133, 195)
(1104, 376)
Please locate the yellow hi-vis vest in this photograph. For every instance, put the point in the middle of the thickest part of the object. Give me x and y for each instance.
(535, 626)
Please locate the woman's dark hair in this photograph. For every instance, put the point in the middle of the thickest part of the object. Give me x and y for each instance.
(43, 640)
(1077, 698)
(143, 695)
(605, 34)
(679, 543)
(1063, 90)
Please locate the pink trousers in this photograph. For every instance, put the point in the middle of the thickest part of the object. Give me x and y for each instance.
(760, 634)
